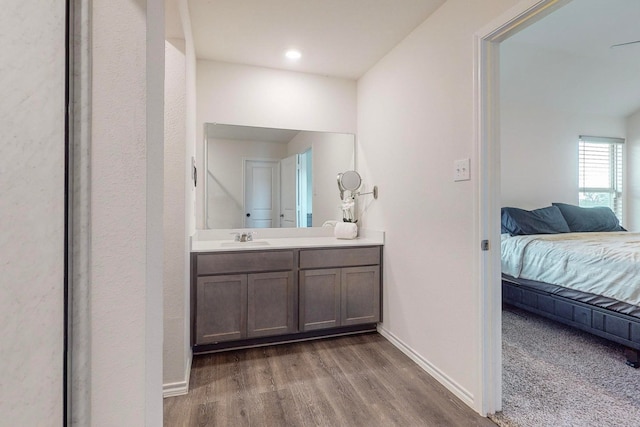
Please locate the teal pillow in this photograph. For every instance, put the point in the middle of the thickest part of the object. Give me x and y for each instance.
(517, 222)
(582, 220)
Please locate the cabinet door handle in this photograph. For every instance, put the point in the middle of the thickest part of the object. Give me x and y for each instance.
(248, 215)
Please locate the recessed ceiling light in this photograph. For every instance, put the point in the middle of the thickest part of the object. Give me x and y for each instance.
(293, 54)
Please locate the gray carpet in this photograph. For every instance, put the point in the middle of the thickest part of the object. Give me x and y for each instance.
(556, 376)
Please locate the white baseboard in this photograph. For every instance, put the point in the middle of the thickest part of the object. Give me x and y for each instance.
(455, 388)
(175, 389)
(181, 387)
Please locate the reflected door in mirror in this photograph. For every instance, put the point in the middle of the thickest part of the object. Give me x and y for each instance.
(261, 200)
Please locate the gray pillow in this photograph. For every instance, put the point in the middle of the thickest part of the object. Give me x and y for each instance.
(581, 220)
(519, 222)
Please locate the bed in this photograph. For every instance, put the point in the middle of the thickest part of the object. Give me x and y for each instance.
(577, 266)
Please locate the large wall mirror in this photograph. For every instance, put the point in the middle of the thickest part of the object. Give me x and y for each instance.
(271, 178)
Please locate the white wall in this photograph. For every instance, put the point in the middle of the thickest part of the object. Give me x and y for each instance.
(175, 360)
(253, 96)
(127, 112)
(180, 217)
(32, 73)
(633, 172)
(415, 117)
(191, 118)
(539, 153)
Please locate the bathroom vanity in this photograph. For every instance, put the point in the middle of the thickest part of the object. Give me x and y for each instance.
(283, 289)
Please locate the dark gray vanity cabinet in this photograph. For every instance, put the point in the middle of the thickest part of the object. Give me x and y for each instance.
(253, 297)
(243, 295)
(339, 287)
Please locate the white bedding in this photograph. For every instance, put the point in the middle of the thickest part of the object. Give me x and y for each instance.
(606, 264)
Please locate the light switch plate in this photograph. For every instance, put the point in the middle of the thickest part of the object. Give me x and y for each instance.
(461, 170)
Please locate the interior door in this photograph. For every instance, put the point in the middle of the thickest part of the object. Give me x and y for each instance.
(288, 191)
(261, 193)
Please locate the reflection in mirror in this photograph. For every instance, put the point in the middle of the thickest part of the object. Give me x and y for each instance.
(271, 178)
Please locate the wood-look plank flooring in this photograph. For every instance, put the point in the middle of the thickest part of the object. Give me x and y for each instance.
(358, 380)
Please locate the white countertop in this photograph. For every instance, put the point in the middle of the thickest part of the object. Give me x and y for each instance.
(218, 241)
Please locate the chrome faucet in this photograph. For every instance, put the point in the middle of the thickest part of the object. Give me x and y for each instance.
(244, 236)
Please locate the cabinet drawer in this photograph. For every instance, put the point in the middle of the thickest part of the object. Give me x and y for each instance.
(340, 257)
(243, 262)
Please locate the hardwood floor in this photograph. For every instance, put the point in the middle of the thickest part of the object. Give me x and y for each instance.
(358, 380)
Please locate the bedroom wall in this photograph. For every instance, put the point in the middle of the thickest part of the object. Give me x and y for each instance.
(539, 153)
(633, 171)
(415, 117)
(254, 96)
(32, 169)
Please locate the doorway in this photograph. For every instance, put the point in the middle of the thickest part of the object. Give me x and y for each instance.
(553, 132)
(487, 132)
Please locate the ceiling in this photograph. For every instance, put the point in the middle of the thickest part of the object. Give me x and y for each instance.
(565, 61)
(339, 38)
(562, 62)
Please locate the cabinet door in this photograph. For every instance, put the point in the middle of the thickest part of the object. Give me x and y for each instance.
(221, 308)
(360, 295)
(271, 304)
(319, 299)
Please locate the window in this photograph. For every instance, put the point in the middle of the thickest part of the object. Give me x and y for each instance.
(600, 172)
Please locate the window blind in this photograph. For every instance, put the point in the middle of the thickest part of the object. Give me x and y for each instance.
(600, 172)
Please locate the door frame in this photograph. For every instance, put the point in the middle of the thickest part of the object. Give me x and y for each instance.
(303, 194)
(487, 205)
(296, 189)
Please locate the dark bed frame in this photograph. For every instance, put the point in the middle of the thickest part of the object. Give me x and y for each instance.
(611, 325)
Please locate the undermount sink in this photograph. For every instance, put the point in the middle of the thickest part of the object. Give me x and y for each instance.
(241, 244)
